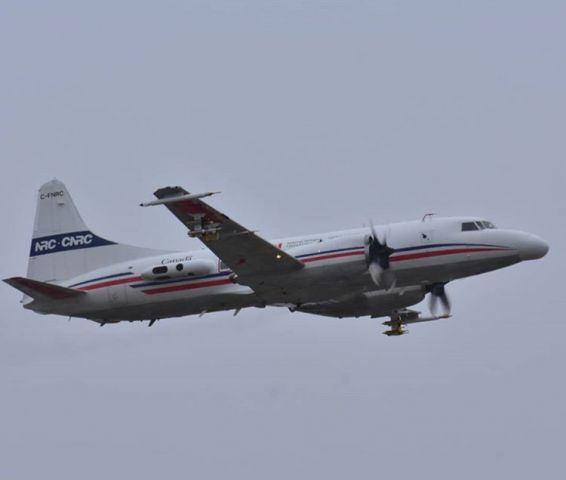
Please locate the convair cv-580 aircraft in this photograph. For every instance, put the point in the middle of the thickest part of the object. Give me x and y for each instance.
(374, 271)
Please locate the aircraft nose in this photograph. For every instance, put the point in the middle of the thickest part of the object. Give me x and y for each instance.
(533, 247)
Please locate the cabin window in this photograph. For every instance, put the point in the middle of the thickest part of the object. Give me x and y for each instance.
(159, 270)
(469, 226)
(179, 267)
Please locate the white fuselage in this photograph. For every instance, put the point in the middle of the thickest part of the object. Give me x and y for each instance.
(426, 252)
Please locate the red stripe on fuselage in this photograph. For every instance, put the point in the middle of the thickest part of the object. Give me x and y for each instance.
(111, 283)
(331, 255)
(407, 256)
(191, 286)
(452, 251)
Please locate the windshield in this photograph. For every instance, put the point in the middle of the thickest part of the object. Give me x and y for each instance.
(469, 226)
(479, 225)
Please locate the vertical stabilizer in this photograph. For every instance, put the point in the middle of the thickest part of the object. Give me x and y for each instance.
(63, 247)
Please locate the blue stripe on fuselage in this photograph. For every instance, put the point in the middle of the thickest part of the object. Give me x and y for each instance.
(107, 277)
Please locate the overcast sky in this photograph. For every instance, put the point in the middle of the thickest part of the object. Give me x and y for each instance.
(308, 116)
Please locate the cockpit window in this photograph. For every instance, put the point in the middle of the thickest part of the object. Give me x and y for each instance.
(469, 226)
(479, 225)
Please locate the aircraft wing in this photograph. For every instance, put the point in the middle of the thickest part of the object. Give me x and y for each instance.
(248, 255)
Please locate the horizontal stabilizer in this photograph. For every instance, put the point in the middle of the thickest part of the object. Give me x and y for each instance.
(41, 290)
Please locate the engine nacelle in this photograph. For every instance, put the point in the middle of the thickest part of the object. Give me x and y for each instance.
(191, 268)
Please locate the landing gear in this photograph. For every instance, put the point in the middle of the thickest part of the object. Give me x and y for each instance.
(396, 329)
(400, 318)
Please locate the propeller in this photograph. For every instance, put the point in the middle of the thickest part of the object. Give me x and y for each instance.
(438, 295)
(377, 255)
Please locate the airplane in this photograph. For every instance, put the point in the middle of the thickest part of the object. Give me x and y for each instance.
(376, 271)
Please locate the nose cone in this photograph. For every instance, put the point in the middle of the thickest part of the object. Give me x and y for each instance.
(532, 248)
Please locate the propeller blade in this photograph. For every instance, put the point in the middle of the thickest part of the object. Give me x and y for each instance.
(438, 295)
(372, 229)
(445, 302)
(378, 260)
(375, 272)
(432, 303)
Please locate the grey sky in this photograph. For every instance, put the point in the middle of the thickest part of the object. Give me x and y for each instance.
(308, 116)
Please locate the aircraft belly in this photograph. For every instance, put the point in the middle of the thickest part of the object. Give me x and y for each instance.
(374, 304)
(176, 306)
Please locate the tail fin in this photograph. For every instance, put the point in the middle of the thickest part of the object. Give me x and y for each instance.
(63, 247)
